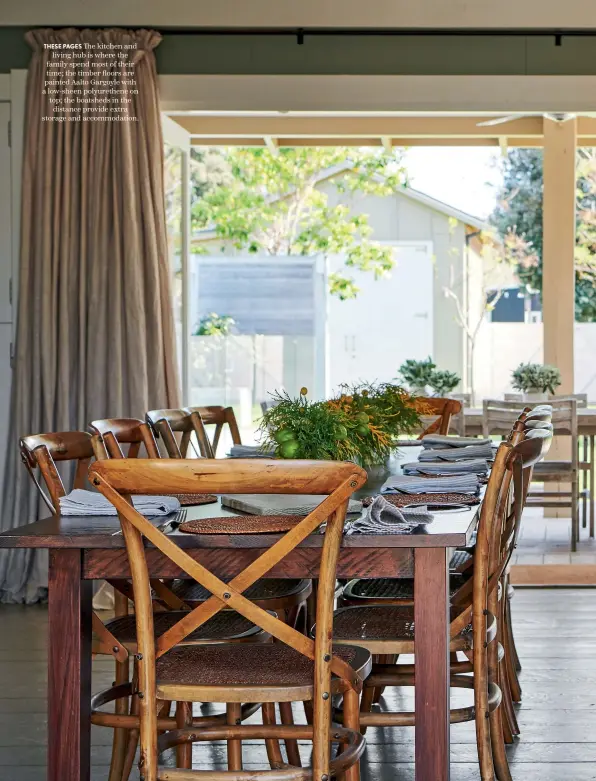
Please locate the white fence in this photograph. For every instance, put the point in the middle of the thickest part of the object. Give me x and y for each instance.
(503, 346)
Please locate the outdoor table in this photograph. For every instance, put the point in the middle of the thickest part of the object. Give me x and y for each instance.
(85, 549)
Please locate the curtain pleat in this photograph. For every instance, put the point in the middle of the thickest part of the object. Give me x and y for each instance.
(95, 330)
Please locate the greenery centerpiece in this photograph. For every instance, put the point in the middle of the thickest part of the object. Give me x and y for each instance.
(417, 374)
(361, 423)
(422, 375)
(444, 382)
(536, 379)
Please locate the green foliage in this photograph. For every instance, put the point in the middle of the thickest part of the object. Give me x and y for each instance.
(214, 325)
(417, 374)
(361, 423)
(518, 217)
(272, 206)
(536, 377)
(443, 382)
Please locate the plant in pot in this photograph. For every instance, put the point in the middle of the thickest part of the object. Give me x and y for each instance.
(417, 375)
(536, 380)
(443, 382)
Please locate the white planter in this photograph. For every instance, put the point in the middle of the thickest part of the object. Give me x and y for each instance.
(535, 395)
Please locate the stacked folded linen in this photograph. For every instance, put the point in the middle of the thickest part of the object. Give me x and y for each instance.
(456, 453)
(476, 466)
(436, 441)
(382, 517)
(251, 451)
(80, 502)
(416, 484)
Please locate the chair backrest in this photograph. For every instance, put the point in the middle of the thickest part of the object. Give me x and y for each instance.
(119, 478)
(165, 423)
(437, 415)
(44, 450)
(219, 417)
(581, 398)
(499, 416)
(111, 433)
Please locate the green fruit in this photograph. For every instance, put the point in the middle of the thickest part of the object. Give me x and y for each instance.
(283, 435)
(362, 417)
(362, 430)
(341, 432)
(289, 449)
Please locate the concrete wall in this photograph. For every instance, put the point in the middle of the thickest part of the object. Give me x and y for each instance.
(503, 346)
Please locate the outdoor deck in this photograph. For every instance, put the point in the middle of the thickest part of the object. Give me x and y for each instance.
(557, 643)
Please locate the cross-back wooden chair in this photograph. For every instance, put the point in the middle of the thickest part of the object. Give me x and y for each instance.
(295, 668)
(390, 630)
(166, 423)
(220, 417)
(112, 433)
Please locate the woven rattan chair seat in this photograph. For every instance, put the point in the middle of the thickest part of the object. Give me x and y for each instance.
(379, 623)
(269, 665)
(225, 625)
(389, 588)
(262, 590)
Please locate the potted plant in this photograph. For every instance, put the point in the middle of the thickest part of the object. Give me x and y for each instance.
(417, 375)
(536, 380)
(443, 382)
(361, 423)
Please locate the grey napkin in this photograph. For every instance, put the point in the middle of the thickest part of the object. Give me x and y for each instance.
(416, 484)
(476, 466)
(447, 441)
(456, 453)
(80, 502)
(382, 517)
(251, 451)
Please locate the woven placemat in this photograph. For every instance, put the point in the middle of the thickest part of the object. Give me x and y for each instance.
(401, 500)
(241, 524)
(190, 500)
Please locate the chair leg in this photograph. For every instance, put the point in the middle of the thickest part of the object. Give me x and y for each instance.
(574, 516)
(287, 717)
(120, 735)
(184, 750)
(133, 742)
(352, 721)
(233, 716)
(274, 754)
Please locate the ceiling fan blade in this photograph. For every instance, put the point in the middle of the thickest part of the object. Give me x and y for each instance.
(499, 120)
(560, 116)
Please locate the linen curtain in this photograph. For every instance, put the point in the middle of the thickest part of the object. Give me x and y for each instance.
(95, 331)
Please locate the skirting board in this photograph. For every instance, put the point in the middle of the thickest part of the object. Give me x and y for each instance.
(553, 575)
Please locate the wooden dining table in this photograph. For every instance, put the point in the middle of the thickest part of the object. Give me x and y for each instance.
(82, 550)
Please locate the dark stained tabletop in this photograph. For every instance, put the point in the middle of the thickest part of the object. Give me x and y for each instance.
(448, 529)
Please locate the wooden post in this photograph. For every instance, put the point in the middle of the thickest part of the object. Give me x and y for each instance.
(558, 266)
(558, 270)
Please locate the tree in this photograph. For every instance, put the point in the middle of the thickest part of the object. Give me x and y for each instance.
(273, 206)
(519, 214)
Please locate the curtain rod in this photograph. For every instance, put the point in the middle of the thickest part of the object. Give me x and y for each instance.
(300, 33)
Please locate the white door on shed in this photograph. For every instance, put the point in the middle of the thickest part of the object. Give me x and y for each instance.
(389, 321)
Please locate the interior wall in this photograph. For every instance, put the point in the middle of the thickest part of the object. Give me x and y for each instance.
(365, 55)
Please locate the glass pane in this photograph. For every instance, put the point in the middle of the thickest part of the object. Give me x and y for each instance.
(173, 191)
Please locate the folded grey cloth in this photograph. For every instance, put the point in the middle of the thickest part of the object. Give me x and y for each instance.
(80, 502)
(476, 466)
(457, 453)
(416, 484)
(446, 441)
(251, 451)
(382, 517)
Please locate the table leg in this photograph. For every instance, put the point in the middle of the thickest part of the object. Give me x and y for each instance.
(69, 668)
(431, 615)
